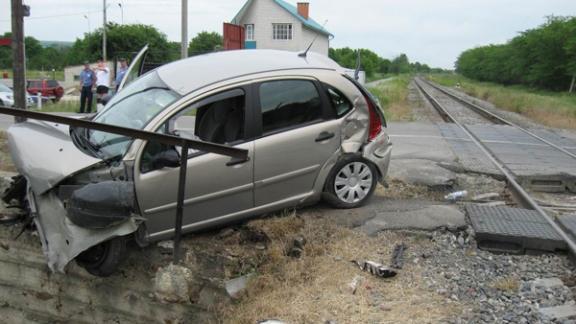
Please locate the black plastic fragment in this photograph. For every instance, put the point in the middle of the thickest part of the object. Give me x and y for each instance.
(102, 205)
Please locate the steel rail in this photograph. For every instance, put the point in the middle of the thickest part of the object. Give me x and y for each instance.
(518, 191)
(492, 116)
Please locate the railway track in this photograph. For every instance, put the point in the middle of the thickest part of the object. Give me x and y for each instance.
(522, 197)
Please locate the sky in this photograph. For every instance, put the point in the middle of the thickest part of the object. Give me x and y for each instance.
(434, 32)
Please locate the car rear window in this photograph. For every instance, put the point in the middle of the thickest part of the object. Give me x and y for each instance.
(340, 103)
(52, 83)
(288, 103)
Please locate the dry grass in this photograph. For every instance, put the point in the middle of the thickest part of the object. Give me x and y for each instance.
(314, 288)
(548, 108)
(393, 96)
(5, 160)
(507, 284)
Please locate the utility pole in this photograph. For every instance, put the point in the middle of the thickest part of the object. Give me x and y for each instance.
(104, 31)
(184, 50)
(18, 55)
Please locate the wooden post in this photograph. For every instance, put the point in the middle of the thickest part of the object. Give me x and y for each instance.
(18, 57)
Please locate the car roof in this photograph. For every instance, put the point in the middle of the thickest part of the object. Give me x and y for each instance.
(190, 74)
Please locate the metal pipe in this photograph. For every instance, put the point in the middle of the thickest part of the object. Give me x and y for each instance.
(180, 202)
(129, 132)
(104, 49)
(184, 44)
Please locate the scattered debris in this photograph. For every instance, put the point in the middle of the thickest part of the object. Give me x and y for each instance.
(171, 284)
(227, 232)
(457, 195)
(486, 197)
(494, 204)
(213, 296)
(235, 286)
(296, 248)
(376, 269)
(272, 321)
(398, 256)
(166, 247)
(353, 285)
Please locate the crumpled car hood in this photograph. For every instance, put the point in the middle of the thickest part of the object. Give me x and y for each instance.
(44, 153)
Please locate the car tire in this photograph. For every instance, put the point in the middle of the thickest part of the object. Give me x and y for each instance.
(351, 182)
(103, 259)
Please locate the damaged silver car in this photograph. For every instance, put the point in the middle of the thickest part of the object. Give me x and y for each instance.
(311, 132)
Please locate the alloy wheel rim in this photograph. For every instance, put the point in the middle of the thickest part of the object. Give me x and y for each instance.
(353, 182)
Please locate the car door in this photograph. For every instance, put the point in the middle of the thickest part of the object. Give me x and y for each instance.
(217, 187)
(135, 69)
(297, 136)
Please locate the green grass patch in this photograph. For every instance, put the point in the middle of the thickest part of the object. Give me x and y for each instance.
(554, 109)
(393, 97)
(35, 74)
(62, 106)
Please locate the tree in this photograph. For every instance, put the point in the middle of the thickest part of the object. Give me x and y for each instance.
(543, 57)
(400, 64)
(205, 42)
(122, 41)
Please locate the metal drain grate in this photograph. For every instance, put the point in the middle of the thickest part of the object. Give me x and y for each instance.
(513, 230)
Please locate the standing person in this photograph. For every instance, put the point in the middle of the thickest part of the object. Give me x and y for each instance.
(121, 73)
(87, 82)
(102, 82)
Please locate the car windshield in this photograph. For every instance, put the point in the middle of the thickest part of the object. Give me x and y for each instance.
(133, 107)
(4, 88)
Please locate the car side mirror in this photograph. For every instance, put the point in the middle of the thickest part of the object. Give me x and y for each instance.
(166, 159)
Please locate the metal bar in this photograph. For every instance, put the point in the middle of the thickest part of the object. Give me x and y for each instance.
(517, 189)
(180, 202)
(129, 132)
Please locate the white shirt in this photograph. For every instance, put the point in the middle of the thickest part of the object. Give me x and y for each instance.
(103, 77)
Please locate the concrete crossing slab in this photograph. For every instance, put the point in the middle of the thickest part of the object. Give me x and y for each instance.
(513, 230)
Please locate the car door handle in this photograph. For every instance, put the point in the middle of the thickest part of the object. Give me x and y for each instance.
(235, 161)
(324, 136)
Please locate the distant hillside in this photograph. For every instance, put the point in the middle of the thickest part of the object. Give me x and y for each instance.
(58, 44)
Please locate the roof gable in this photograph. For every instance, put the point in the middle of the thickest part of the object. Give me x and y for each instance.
(310, 23)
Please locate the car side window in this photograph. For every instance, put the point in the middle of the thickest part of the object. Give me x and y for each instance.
(217, 119)
(340, 103)
(288, 103)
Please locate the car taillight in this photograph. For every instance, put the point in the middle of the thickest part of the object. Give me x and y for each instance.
(375, 121)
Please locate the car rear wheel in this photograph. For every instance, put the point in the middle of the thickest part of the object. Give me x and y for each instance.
(351, 182)
(103, 259)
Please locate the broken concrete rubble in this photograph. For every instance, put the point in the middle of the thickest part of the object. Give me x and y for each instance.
(171, 284)
(423, 173)
(428, 219)
(235, 286)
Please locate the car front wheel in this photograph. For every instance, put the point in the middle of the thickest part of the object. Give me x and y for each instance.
(351, 182)
(103, 259)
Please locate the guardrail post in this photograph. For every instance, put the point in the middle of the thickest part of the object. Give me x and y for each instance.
(180, 201)
(39, 101)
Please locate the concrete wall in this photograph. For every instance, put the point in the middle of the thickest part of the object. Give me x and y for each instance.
(264, 13)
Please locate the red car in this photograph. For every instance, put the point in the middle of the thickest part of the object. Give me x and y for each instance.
(50, 89)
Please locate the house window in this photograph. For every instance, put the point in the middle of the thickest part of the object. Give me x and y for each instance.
(282, 31)
(249, 29)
